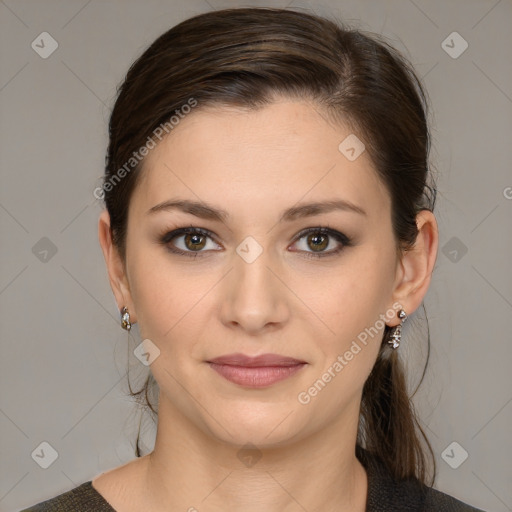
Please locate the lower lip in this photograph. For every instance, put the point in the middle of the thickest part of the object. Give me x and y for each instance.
(257, 377)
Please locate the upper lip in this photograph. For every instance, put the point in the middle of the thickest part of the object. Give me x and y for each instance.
(257, 361)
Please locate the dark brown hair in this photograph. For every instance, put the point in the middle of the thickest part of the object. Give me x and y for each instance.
(245, 58)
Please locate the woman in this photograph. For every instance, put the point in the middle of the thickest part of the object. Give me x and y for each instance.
(269, 225)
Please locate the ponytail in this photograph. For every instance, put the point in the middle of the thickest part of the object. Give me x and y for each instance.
(388, 425)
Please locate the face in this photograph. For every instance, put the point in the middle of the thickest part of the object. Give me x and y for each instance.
(263, 277)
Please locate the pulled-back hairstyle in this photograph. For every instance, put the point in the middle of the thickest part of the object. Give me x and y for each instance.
(246, 58)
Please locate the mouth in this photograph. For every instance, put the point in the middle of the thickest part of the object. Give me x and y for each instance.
(256, 372)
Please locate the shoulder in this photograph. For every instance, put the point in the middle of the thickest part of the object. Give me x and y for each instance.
(439, 501)
(388, 495)
(82, 498)
(412, 495)
(115, 489)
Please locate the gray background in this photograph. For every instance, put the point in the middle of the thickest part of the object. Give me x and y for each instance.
(64, 356)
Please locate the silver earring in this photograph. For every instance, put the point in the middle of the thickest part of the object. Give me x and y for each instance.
(125, 319)
(395, 335)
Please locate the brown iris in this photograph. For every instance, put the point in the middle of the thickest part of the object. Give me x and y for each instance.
(193, 237)
(315, 237)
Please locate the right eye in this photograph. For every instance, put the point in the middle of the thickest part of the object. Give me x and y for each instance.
(193, 241)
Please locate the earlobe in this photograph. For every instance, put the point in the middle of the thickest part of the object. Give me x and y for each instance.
(115, 266)
(418, 263)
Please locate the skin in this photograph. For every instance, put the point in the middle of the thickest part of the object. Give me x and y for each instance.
(254, 165)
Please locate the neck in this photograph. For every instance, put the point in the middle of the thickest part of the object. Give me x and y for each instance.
(190, 470)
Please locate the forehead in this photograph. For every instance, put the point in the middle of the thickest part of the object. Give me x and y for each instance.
(258, 160)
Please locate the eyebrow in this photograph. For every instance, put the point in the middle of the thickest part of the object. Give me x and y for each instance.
(206, 211)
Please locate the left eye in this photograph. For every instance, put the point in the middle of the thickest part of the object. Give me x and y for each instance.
(319, 239)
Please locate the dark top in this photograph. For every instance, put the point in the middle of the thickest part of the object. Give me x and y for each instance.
(384, 495)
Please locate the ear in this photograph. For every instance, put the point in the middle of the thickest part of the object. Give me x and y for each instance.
(415, 267)
(115, 267)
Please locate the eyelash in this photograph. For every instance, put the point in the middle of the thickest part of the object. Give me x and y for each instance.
(167, 237)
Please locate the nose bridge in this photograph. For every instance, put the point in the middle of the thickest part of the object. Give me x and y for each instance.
(256, 297)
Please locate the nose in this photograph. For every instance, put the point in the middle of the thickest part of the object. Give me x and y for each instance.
(254, 298)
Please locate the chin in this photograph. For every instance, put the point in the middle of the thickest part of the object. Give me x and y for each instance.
(264, 425)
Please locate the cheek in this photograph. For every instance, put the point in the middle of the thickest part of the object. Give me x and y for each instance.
(350, 298)
(354, 304)
(170, 301)
(158, 293)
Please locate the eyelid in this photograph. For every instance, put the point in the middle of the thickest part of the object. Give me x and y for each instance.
(186, 230)
(327, 230)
